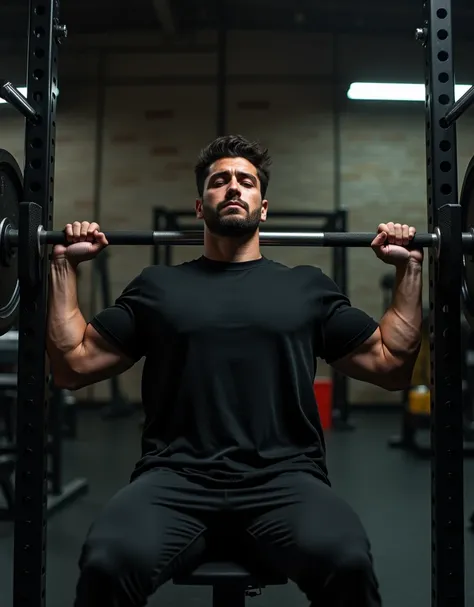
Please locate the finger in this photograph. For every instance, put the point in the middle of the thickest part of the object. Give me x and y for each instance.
(84, 230)
(390, 232)
(405, 234)
(397, 230)
(93, 228)
(76, 231)
(379, 240)
(383, 227)
(101, 239)
(68, 232)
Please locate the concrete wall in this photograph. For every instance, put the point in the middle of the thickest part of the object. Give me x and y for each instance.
(159, 109)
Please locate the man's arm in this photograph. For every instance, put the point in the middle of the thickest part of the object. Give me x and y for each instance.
(388, 356)
(79, 355)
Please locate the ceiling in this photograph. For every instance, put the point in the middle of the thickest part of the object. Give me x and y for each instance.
(399, 17)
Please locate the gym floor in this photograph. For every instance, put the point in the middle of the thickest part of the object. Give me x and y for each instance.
(388, 488)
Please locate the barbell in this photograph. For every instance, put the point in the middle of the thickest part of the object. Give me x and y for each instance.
(11, 194)
(9, 238)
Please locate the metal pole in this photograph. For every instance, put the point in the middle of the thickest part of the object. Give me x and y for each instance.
(447, 430)
(98, 165)
(195, 237)
(29, 558)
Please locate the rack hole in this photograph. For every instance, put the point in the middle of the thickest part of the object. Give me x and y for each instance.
(446, 189)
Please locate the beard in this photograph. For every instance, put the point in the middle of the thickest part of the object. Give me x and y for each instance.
(231, 222)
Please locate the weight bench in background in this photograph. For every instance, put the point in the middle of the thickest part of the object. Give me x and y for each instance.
(231, 580)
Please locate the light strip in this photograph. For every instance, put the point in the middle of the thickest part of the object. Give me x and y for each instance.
(386, 91)
(23, 90)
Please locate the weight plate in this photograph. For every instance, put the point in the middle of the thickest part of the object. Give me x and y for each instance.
(11, 194)
(467, 204)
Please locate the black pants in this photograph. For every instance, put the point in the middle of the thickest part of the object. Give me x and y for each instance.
(162, 522)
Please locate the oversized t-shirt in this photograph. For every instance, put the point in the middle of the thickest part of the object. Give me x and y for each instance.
(230, 359)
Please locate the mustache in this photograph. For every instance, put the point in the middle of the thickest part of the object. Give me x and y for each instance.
(226, 203)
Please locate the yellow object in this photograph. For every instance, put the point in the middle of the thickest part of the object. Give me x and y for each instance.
(419, 400)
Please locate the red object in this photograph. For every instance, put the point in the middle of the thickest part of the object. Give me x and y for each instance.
(323, 394)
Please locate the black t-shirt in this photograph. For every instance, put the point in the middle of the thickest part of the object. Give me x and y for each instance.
(231, 353)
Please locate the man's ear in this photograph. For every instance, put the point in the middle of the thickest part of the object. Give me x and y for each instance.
(199, 213)
(263, 216)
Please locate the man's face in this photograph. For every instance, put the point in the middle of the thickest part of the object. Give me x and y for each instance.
(232, 204)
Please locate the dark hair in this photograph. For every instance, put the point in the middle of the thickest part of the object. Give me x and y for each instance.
(233, 146)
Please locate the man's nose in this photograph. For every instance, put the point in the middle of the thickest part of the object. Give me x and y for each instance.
(233, 186)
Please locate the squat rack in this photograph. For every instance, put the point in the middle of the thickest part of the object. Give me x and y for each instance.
(444, 216)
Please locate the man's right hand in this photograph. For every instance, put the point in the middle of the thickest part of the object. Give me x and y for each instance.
(85, 240)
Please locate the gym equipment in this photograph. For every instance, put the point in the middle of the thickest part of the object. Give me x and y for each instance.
(60, 423)
(37, 238)
(448, 277)
(467, 203)
(233, 576)
(416, 401)
(58, 492)
(11, 191)
(10, 239)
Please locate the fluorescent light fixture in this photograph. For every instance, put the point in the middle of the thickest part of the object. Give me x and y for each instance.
(22, 90)
(386, 91)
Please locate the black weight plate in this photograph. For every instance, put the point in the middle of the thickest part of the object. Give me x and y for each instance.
(11, 194)
(467, 204)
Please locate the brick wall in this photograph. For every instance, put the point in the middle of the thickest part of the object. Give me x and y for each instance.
(160, 108)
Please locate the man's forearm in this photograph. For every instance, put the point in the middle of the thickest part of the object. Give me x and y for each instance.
(401, 324)
(66, 325)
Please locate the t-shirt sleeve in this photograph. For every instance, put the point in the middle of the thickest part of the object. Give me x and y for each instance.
(343, 327)
(120, 324)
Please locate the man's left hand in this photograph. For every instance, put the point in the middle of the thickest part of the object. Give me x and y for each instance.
(391, 241)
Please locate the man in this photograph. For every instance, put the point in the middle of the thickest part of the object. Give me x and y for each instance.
(232, 439)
